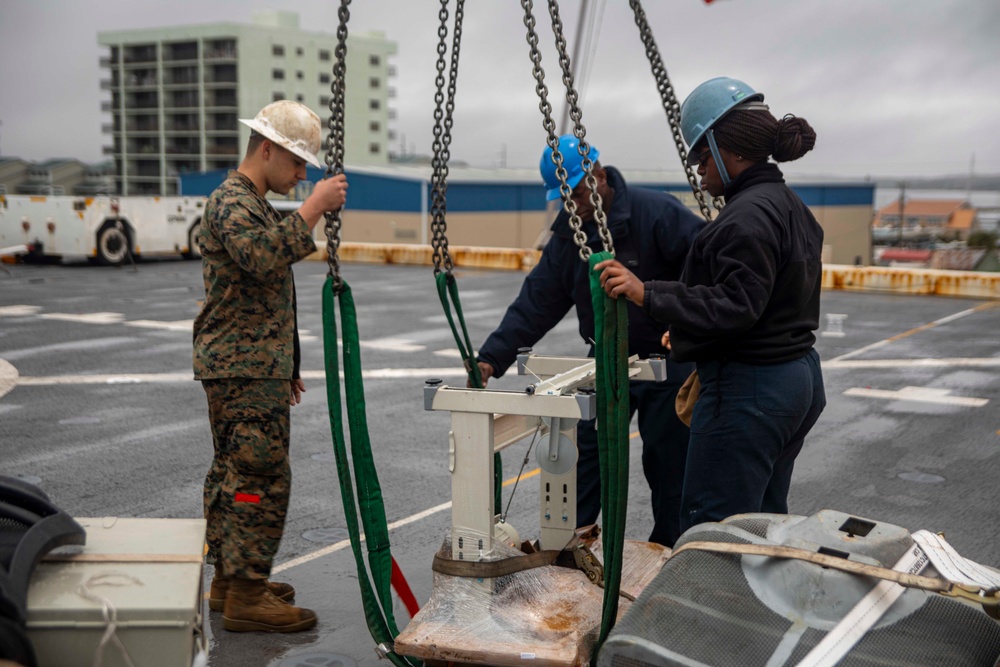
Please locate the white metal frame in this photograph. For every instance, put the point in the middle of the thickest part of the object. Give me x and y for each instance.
(485, 421)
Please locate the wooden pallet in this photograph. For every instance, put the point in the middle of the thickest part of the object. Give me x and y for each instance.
(549, 616)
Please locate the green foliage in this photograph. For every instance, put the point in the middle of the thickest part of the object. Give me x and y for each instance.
(982, 239)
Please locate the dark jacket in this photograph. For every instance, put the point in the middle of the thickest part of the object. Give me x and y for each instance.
(751, 284)
(651, 231)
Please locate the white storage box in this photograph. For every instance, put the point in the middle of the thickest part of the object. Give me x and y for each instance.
(143, 577)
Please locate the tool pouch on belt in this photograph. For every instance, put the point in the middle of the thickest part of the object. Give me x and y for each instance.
(687, 395)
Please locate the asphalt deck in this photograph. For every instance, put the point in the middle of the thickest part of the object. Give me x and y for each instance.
(100, 411)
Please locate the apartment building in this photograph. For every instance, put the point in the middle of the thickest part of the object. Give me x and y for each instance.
(176, 93)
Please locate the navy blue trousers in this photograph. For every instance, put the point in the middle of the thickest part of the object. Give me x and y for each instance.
(664, 451)
(747, 428)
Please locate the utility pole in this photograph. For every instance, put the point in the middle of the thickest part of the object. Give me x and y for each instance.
(902, 206)
(575, 62)
(972, 176)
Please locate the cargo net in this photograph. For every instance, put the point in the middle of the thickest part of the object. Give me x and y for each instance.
(943, 633)
(701, 609)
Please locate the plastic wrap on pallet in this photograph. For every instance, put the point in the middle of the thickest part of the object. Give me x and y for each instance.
(548, 615)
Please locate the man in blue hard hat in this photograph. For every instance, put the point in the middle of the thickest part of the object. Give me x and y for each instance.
(652, 232)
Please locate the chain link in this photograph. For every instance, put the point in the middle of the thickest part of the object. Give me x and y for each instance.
(335, 142)
(550, 129)
(443, 112)
(670, 104)
(579, 131)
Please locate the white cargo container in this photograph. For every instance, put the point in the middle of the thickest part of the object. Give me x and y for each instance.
(136, 580)
(105, 230)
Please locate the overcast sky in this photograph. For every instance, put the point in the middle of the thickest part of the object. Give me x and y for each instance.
(892, 87)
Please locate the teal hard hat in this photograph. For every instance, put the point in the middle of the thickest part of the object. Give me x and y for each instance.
(569, 147)
(709, 102)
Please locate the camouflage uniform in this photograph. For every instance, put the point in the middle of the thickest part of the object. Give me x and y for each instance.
(245, 354)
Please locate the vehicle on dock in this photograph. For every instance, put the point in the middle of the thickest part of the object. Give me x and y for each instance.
(106, 230)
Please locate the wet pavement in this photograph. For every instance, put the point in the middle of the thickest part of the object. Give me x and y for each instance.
(98, 407)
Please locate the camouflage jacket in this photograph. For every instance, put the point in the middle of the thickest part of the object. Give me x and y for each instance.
(246, 327)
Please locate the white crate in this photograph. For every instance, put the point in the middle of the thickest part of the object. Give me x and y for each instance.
(145, 573)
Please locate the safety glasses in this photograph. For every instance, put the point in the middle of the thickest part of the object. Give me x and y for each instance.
(699, 158)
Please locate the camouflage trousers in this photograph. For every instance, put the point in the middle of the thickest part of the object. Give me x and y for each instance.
(248, 485)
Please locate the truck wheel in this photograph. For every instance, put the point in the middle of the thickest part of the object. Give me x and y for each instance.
(193, 248)
(113, 244)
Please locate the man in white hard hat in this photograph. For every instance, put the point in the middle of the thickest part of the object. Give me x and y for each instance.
(246, 354)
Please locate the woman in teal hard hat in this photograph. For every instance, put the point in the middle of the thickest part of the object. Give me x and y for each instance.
(744, 308)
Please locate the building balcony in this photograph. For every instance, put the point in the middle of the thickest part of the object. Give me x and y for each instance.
(180, 165)
(221, 163)
(108, 150)
(221, 98)
(137, 59)
(186, 59)
(104, 61)
(141, 104)
(140, 82)
(220, 55)
(106, 106)
(144, 153)
(108, 84)
(107, 128)
(221, 150)
(180, 50)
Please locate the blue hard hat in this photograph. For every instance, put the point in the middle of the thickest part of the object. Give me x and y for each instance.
(709, 102)
(569, 147)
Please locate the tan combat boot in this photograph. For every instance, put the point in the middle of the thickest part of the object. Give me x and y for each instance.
(220, 587)
(251, 606)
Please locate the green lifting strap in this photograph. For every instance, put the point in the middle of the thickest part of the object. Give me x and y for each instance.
(611, 358)
(447, 288)
(377, 602)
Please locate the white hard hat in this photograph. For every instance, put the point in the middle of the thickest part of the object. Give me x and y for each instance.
(291, 125)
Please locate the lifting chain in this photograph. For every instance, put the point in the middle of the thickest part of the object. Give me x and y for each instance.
(550, 128)
(579, 131)
(670, 104)
(335, 143)
(443, 111)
